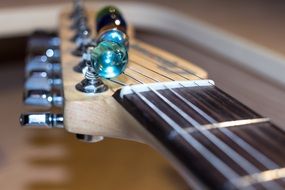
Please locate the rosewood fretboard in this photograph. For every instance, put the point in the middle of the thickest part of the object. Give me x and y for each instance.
(218, 139)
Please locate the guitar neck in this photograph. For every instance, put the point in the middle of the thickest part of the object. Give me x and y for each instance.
(224, 143)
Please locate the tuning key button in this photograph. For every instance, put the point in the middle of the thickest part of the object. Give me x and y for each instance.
(42, 120)
(42, 98)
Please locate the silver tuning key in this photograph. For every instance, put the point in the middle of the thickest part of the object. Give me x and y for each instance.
(42, 120)
(41, 63)
(43, 81)
(42, 98)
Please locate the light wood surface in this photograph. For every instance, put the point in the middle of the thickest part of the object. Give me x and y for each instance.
(86, 113)
(48, 160)
(53, 159)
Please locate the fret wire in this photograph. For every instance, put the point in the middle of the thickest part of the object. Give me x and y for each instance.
(264, 176)
(230, 124)
(231, 153)
(257, 155)
(260, 157)
(185, 77)
(242, 108)
(221, 167)
(247, 166)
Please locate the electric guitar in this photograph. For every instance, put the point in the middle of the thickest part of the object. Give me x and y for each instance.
(212, 139)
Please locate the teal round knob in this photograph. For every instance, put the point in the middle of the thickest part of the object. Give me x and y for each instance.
(114, 35)
(109, 59)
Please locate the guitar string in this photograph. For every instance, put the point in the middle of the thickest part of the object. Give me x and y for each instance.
(256, 154)
(249, 168)
(229, 131)
(233, 153)
(260, 157)
(263, 159)
(245, 164)
(177, 107)
(224, 169)
(209, 119)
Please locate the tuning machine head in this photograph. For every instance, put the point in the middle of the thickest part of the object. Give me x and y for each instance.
(43, 80)
(41, 63)
(41, 120)
(42, 40)
(43, 98)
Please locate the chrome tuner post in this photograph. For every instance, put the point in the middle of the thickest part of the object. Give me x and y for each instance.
(44, 81)
(40, 41)
(41, 63)
(43, 98)
(91, 82)
(41, 120)
(83, 63)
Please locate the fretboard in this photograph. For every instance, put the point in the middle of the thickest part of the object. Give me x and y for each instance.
(218, 139)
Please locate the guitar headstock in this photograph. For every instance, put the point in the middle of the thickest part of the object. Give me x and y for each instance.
(55, 78)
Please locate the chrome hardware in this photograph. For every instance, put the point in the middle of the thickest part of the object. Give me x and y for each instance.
(82, 64)
(43, 43)
(41, 120)
(89, 138)
(92, 83)
(40, 63)
(43, 81)
(82, 44)
(42, 98)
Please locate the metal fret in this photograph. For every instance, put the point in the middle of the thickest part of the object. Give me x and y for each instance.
(259, 178)
(215, 161)
(228, 124)
(244, 155)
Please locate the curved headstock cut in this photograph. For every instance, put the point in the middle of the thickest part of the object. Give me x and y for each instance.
(100, 114)
(158, 99)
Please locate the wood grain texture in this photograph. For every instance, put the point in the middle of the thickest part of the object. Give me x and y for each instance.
(85, 113)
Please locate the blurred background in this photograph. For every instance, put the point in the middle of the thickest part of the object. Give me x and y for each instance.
(34, 159)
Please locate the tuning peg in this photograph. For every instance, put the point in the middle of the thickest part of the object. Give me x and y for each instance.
(40, 63)
(42, 120)
(42, 41)
(77, 9)
(42, 98)
(82, 45)
(52, 55)
(43, 81)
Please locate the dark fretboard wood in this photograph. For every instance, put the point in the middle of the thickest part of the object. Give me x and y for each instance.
(224, 143)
